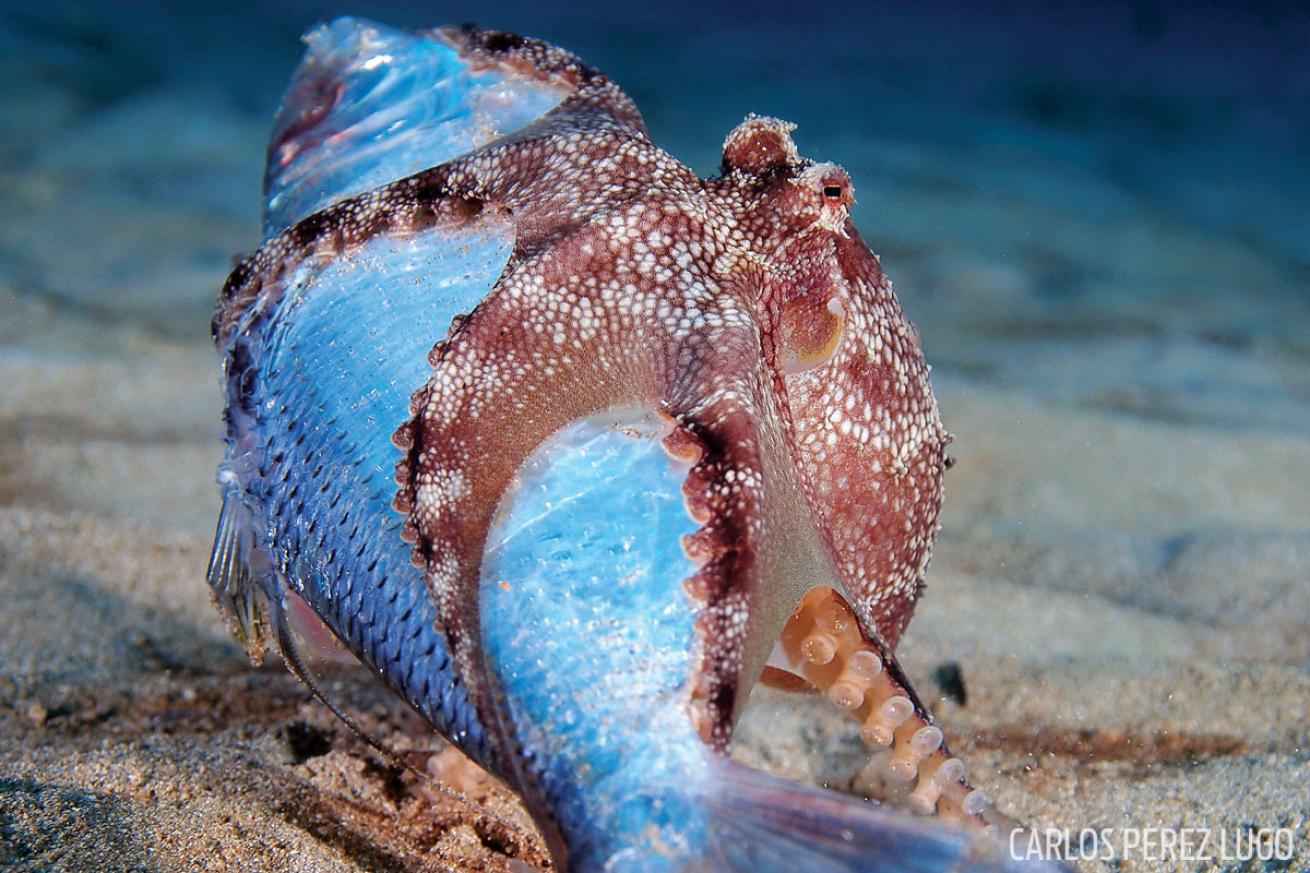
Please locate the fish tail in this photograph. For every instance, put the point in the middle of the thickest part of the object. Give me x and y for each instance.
(760, 823)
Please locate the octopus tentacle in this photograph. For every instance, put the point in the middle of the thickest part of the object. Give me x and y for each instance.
(428, 200)
(873, 447)
(595, 101)
(824, 643)
(511, 374)
(548, 198)
(757, 538)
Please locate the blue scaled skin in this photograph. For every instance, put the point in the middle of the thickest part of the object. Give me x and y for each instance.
(398, 103)
(587, 630)
(318, 383)
(334, 370)
(590, 634)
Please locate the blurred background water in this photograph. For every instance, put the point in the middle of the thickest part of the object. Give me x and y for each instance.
(1098, 215)
(1107, 204)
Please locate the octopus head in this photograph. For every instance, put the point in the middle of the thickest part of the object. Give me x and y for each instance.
(799, 236)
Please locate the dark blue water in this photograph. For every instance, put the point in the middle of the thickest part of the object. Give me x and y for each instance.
(1106, 204)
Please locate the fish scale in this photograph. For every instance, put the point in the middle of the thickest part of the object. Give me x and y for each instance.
(397, 103)
(586, 556)
(621, 457)
(329, 352)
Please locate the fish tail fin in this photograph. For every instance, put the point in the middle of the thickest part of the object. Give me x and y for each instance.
(237, 590)
(760, 823)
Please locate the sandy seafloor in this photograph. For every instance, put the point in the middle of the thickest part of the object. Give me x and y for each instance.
(1099, 222)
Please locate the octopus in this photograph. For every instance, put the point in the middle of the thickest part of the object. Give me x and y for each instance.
(572, 448)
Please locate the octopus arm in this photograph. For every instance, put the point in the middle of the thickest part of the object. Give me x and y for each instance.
(871, 444)
(521, 367)
(593, 101)
(758, 549)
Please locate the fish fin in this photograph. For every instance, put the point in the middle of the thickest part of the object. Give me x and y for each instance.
(760, 823)
(234, 586)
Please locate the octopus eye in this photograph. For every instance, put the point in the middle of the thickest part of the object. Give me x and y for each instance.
(832, 192)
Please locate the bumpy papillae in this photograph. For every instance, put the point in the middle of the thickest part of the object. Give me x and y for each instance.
(822, 643)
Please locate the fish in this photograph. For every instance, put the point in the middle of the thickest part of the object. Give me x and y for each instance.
(573, 448)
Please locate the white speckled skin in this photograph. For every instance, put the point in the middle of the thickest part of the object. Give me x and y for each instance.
(744, 309)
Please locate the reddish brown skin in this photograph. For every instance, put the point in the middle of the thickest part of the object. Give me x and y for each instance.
(745, 308)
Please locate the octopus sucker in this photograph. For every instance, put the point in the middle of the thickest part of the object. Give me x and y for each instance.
(572, 447)
(823, 644)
